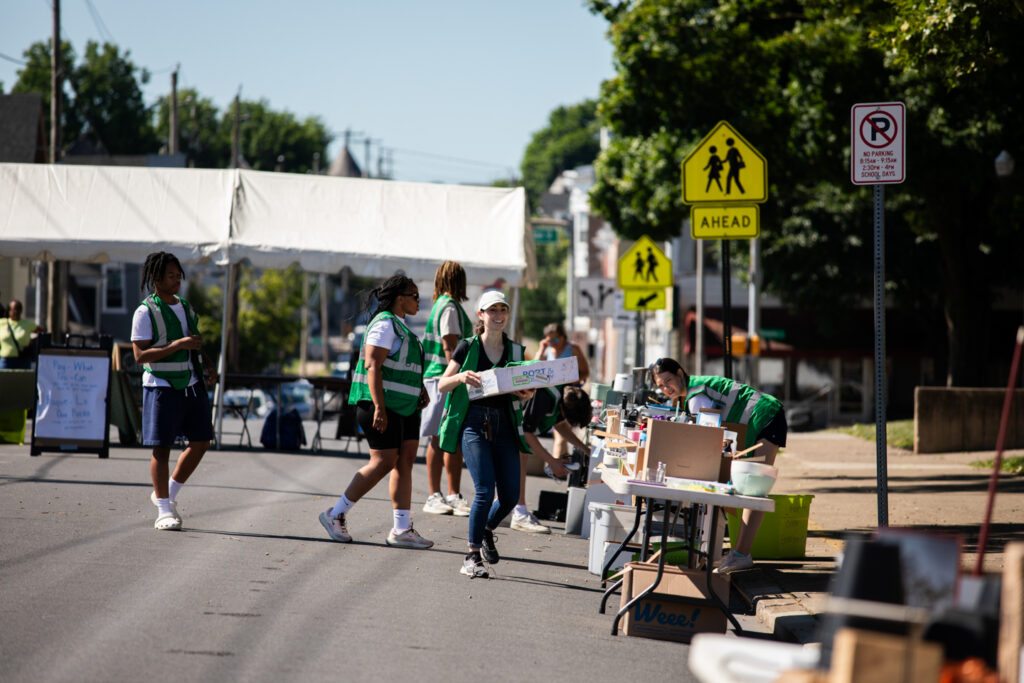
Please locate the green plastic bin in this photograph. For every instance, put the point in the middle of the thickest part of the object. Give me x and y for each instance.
(783, 533)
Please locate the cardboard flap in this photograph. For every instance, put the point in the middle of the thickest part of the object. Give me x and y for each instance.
(689, 451)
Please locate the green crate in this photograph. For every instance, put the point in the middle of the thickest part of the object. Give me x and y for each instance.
(783, 533)
(677, 553)
(12, 426)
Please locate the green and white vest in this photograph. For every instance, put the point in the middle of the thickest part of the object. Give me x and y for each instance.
(739, 403)
(403, 370)
(433, 348)
(176, 369)
(554, 416)
(456, 404)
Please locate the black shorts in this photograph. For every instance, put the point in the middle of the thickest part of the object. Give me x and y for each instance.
(400, 428)
(775, 431)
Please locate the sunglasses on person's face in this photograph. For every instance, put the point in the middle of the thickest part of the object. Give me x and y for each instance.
(415, 296)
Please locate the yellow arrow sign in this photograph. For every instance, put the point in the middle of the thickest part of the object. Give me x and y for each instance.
(726, 221)
(724, 167)
(644, 299)
(644, 265)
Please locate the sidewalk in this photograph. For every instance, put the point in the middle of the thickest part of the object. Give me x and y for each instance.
(934, 492)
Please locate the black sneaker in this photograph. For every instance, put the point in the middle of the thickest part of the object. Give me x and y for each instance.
(488, 550)
(473, 566)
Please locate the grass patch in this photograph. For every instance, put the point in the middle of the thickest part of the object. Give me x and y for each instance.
(898, 433)
(1014, 465)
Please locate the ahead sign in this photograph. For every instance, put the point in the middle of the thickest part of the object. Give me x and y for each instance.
(877, 143)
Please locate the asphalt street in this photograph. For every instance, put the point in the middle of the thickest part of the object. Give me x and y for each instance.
(253, 589)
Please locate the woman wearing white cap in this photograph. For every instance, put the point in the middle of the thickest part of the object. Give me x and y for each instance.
(489, 429)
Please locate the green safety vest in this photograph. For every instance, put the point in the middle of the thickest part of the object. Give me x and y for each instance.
(176, 369)
(403, 371)
(739, 403)
(554, 416)
(456, 404)
(433, 348)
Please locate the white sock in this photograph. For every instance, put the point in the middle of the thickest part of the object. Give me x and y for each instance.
(402, 521)
(172, 488)
(521, 511)
(163, 505)
(343, 506)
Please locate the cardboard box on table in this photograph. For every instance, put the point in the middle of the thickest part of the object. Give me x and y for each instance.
(662, 615)
(536, 375)
(688, 451)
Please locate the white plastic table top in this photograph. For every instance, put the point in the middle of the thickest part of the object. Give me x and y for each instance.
(620, 484)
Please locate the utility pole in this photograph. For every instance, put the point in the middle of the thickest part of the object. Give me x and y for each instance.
(235, 133)
(56, 294)
(233, 280)
(172, 142)
(366, 166)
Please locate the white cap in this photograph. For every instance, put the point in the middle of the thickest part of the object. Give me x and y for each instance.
(489, 298)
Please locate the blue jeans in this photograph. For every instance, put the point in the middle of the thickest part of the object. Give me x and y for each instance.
(494, 466)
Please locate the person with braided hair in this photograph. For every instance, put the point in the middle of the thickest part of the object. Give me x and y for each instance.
(168, 345)
(447, 325)
(387, 390)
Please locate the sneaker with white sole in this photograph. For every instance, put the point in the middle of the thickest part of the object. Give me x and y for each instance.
(408, 539)
(529, 523)
(473, 566)
(459, 505)
(336, 527)
(488, 549)
(734, 563)
(436, 505)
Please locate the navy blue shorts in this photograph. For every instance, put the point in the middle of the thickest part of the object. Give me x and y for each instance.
(168, 413)
(775, 430)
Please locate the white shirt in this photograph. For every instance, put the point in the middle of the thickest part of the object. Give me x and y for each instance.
(449, 323)
(142, 330)
(382, 335)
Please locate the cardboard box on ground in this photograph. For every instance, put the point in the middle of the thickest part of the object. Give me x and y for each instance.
(665, 614)
(535, 375)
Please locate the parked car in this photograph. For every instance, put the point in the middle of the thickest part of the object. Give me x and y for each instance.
(261, 402)
(298, 395)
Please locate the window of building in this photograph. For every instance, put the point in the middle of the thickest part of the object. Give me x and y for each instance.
(113, 288)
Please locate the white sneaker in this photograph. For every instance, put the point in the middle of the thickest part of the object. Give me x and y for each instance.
(435, 505)
(408, 539)
(459, 505)
(734, 563)
(529, 523)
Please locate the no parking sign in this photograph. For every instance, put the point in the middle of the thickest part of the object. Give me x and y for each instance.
(877, 143)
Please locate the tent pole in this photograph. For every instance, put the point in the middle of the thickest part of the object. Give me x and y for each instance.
(222, 365)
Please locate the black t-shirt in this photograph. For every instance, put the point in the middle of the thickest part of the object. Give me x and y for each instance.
(499, 402)
(536, 408)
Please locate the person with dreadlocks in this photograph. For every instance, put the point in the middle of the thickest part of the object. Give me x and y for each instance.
(447, 325)
(167, 343)
(387, 390)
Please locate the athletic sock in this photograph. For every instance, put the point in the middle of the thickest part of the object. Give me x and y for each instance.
(164, 506)
(521, 511)
(343, 506)
(402, 521)
(738, 554)
(172, 488)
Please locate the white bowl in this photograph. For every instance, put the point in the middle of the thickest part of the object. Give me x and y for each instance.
(753, 478)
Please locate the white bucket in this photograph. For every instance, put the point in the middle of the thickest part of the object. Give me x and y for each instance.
(624, 383)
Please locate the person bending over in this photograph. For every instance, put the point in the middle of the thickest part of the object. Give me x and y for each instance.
(761, 413)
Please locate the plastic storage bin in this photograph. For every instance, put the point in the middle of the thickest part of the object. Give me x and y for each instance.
(783, 533)
(608, 526)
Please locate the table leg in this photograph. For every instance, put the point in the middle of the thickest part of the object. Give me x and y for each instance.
(661, 564)
(608, 564)
(712, 548)
(319, 399)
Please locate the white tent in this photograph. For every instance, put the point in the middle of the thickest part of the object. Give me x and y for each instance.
(120, 214)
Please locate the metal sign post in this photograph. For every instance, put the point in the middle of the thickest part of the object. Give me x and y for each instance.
(877, 156)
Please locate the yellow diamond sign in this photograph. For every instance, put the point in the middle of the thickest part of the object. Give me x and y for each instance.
(645, 266)
(724, 167)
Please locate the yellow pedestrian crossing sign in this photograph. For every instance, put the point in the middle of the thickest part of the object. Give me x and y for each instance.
(724, 167)
(645, 266)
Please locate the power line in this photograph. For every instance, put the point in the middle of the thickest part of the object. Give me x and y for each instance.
(101, 27)
(443, 157)
(12, 59)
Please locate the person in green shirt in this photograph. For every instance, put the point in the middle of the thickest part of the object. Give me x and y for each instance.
(761, 413)
(15, 336)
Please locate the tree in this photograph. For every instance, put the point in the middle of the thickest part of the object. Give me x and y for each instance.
(546, 303)
(200, 135)
(34, 77)
(267, 134)
(570, 139)
(268, 320)
(785, 73)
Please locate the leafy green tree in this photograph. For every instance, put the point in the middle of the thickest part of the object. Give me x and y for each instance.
(267, 134)
(269, 317)
(109, 99)
(570, 139)
(546, 303)
(34, 77)
(785, 73)
(200, 136)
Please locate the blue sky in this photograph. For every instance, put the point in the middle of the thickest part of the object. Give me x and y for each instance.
(455, 88)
